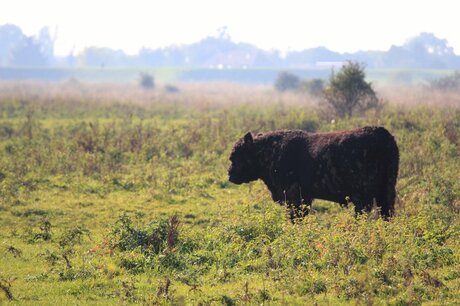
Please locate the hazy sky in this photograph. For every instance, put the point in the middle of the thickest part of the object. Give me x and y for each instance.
(340, 25)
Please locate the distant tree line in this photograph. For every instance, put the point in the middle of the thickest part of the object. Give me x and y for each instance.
(220, 52)
(17, 49)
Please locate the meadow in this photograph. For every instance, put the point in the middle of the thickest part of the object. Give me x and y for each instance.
(118, 195)
(252, 76)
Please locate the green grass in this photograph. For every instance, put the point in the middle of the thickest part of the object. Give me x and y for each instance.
(89, 191)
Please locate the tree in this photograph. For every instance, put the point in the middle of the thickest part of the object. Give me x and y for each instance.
(422, 51)
(287, 81)
(29, 53)
(348, 92)
(11, 37)
(46, 42)
(20, 50)
(103, 57)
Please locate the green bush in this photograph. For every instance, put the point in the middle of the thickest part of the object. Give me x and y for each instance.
(348, 93)
(287, 81)
(313, 87)
(447, 83)
(147, 81)
(153, 239)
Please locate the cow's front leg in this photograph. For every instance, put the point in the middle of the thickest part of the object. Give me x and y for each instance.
(297, 203)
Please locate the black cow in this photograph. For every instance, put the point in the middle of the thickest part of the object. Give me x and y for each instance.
(359, 165)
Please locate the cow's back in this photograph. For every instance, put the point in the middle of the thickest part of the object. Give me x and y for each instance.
(348, 161)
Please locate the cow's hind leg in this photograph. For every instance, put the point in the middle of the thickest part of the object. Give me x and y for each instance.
(386, 201)
(363, 203)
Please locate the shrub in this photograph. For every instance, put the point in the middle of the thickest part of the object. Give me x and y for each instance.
(147, 81)
(313, 87)
(45, 233)
(447, 83)
(287, 81)
(160, 235)
(171, 89)
(348, 92)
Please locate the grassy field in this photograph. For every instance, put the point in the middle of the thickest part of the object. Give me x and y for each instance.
(173, 75)
(114, 195)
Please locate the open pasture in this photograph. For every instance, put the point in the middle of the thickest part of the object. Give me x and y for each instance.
(117, 195)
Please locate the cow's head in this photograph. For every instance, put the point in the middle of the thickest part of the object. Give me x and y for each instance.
(244, 163)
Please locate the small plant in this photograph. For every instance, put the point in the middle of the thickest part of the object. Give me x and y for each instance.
(128, 290)
(163, 289)
(66, 256)
(51, 257)
(74, 274)
(247, 296)
(172, 233)
(171, 89)
(150, 240)
(73, 236)
(430, 280)
(227, 301)
(68, 241)
(15, 251)
(5, 286)
(45, 233)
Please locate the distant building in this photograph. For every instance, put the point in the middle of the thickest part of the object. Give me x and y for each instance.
(331, 64)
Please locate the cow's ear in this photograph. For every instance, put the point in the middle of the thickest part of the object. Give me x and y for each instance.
(248, 138)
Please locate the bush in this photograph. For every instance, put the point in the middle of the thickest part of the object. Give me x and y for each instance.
(158, 236)
(147, 81)
(348, 92)
(171, 89)
(287, 81)
(447, 83)
(314, 87)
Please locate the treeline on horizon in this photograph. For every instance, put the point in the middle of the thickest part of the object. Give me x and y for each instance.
(425, 51)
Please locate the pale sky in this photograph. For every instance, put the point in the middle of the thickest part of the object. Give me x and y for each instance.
(340, 25)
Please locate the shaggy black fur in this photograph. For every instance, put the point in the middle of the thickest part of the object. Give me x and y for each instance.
(360, 165)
